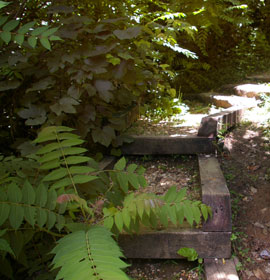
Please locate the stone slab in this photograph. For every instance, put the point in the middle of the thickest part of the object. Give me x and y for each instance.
(220, 269)
(251, 90)
(215, 194)
(165, 244)
(162, 145)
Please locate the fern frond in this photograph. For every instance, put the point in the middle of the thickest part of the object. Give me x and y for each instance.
(59, 153)
(36, 206)
(89, 255)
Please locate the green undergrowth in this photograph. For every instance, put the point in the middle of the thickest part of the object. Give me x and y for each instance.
(59, 213)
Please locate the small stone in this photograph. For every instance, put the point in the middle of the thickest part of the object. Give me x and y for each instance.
(264, 210)
(265, 254)
(258, 225)
(253, 190)
(265, 231)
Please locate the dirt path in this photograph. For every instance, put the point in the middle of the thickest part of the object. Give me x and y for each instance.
(247, 171)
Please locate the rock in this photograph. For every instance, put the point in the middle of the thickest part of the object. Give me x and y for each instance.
(253, 190)
(264, 210)
(259, 225)
(265, 254)
(259, 274)
(230, 101)
(251, 90)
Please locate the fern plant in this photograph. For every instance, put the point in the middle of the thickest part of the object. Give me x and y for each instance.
(67, 179)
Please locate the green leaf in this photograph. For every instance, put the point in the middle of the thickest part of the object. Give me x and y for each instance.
(77, 159)
(180, 213)
(126, 217)
(196, 213)
(132, 167)
(3, 4)
(123, 181)
(172, 214)
(16, 216)
(142, 181)
(51, 220)
(41, 217)
(164, 215)
(30, 215)
(62, 183)
(50, 165)
(55, 38)
(4, 207)
(189, 253)
(28, 193)
(120, 165)
(48, 148)
(133, 180)
(56, 174)
(10, 25)
(14, 193)
(50, 32)
(32, 41)
(26, 27)
(39, 30)
(140, 207)
(72, 142)
(50, 156)
(41, 195)
(119, 221)
(5, 36)
(51, 200)
(108, 222)
(19, 39)
(81, 169)
(4, 246)
(188, 212)
(81, 179)
(45, 43)
(181, 195)
(204, 211)
(170, 194)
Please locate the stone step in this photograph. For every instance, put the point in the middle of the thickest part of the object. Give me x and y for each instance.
(251, 90)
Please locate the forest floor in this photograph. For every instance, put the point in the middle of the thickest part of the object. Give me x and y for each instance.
(246, 167)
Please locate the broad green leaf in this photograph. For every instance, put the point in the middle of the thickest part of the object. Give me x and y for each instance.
(56, 174)
(45, 43)
(60, 222)
(14, 193)
(32, 41)
(48, 148)
(10, 25)
(50, 156)
(180, 213)
(4, 210)
(188, 213)
(164, 215)
(123, 181)
(19, 39)
(77, 159)
(28, 193)
(153, 220)
(41, 217)
(108, 222)
(140, 207)
(4, 4)
(67, 135)
(16, 216)
(62, 183)
(71, 142)
(81, 169)
(170, 194)
(133, 180)
(172, 214)
(39, 30)
(50, 165)
(132, 167)
(119, 221)
(51, 201)
(196, 213)
(5, 36)
(30, 215)
(73, 151)
(204, 211)
(49, 32)
(26, 27)
(51, 220)
(120, 165)
(126, 217)
(81, 179)
(4, 246)
(189, 253)
(181, 194)
(3, 19)
(142, 181)
(55, 38)
(41, 195)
